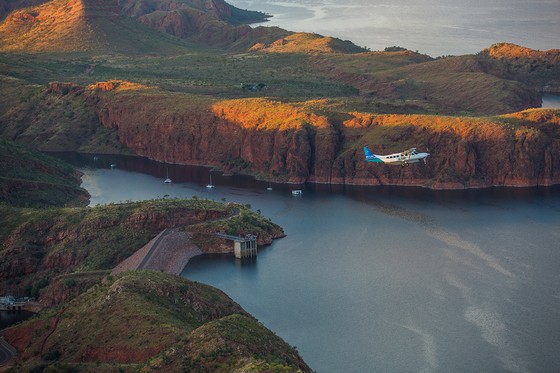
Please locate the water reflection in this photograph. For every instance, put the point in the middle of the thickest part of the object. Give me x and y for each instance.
(248, 184)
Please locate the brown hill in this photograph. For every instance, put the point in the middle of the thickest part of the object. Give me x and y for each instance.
(465, 84)
(510, 51)
(538, 69)
(79, 26)
(107, 25)
(214, 9)
(308, 43)
(207, 22)
(204, 28)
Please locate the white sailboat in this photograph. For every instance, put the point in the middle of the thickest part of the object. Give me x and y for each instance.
(209, 186)
(167, 180)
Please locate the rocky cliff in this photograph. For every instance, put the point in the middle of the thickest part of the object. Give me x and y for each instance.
(317, 141)
(291, 142)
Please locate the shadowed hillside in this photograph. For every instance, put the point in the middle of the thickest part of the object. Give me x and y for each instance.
(8, 6)
(150, 322)
(31, 179)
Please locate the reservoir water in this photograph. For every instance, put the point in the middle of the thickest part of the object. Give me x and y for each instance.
(9, 318)
(551, 101)
(433, 27)
(383, 279)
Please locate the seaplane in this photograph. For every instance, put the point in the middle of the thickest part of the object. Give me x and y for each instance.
(403, 159)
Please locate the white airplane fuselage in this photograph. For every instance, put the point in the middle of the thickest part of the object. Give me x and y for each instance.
(403, 159)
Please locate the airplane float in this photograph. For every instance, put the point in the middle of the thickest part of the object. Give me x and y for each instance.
(404, 159)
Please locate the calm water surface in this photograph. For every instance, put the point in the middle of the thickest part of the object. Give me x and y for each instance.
(9, 318)
(551, 101)
(385, 279)
(434, 27)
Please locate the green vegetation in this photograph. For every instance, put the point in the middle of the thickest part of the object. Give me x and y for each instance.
(29, 178)
(200, 72)
(150, 321)
(244, 222)
(49, 242)
(320, 100)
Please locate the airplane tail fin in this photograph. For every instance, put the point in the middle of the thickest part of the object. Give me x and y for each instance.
(370, 157)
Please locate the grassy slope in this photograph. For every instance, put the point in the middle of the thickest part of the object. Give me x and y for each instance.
(388, 81)
(31, 179)
(154, 322)
(81, 26)
(201, 72)
(48, 121)
(455, 85)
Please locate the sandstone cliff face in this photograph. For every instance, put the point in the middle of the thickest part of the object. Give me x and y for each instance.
(295, 145)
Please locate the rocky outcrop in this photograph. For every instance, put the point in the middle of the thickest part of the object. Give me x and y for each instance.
(54, 255)
(308, 43)
(296, 145)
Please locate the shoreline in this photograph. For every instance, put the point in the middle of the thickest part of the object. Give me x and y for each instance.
(257, 177)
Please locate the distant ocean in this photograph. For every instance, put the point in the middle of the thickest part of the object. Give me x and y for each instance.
(433, 27)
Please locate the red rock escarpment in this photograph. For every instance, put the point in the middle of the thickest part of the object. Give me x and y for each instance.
(295, 145)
